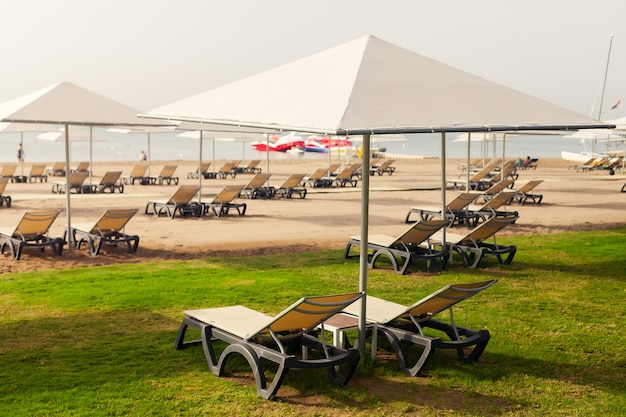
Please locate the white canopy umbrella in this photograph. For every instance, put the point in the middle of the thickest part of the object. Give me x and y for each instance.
(67, 104)
(372, 87)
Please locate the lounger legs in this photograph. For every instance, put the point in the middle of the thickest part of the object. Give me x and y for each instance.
(16, 245)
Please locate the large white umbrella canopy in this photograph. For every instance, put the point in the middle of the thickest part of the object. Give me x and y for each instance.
(370, 86)
(68, 104)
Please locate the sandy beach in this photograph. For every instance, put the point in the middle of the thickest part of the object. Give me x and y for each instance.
(323, 220)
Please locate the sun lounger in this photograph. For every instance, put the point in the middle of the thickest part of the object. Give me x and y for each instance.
(347, 176)
(8, 172)
(476, 182)
(292, 186)
(180, 202)
(474, 246)
(167, 175)
(77, 184)
(110, 181)
(38, 172)
(410, 245)
(57, 169)
(474, 165)
(402, 325)
(251, 168)
(530, 164)
(227, 169)
(31, 232)
(82, 166)
(526, 193)
(318, 179)
(204, 168)
(383, 167)
(108, 229)
(456, 211)
(281, 340)
(493, 207)
(138, 174)
(4, 198)
(496, 188)
(500, 173)
(226, 200)
(256, 188)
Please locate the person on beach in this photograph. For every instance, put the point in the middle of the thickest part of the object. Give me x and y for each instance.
(20, 153)
(143, 156)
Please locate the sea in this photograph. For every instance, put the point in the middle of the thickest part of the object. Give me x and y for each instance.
(106, 146)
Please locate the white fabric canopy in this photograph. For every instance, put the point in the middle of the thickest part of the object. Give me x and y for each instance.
(371, 86)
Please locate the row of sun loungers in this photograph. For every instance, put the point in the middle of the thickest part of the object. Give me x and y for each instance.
(295, 338)
(32, 232)
(326, 177)
(461, 211)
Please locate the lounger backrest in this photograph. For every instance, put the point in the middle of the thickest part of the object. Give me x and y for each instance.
(35, 223)
(8, 170)
(58, 166)
(110, 177)
(445, 298)
(499, 186)
(113, 220)
(228, 194)
(258, 180)
(82, 166)
(347, 172)
(308, 312)
(236, 163)
(385, 164)
(168, 171)
(204, 167)
(253, 163)
(184, 194)
(459, 202)
(37, 170)
(332, 168)
(529, 186)
(487, 229)
(421, 231)
(139, 170)
(78, 177)
(482, 173)
(227, 167)
(3, 184)
(318, 174)
(292, 181)
(498, 200)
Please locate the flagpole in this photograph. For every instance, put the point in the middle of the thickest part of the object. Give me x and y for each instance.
(606, 73)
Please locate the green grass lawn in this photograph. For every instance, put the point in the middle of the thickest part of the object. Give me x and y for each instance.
(99, 341)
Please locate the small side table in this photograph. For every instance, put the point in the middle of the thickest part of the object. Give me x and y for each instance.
(339, 323)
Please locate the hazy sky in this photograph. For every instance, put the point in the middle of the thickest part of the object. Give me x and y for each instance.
(148, 53)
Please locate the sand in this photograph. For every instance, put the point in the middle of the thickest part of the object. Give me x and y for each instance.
(323, 220)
